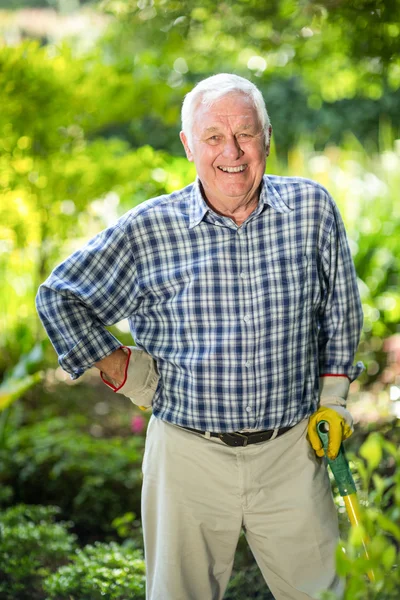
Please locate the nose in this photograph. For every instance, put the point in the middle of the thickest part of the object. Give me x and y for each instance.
(232, 149)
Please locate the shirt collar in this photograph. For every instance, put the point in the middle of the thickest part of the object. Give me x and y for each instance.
(269, 195)
(198, 206)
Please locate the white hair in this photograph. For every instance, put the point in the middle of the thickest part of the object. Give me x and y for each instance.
(215, 87)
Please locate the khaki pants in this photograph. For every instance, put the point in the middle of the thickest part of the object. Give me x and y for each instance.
(199, 493)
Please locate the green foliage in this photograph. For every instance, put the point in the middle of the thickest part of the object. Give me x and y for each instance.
(12, 389)
(378, 471)
(325, 42)
(99, 571)
(6, 495)
(32, 545)
(248, 583)
(23, 377)
(40, 560)
(296, 53)
(93, 480)
(80, 140)
(58, 178)
(127, 526)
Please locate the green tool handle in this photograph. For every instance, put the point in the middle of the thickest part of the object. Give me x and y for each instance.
(339, 466)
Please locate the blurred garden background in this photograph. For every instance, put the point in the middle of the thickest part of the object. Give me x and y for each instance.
(90, 96)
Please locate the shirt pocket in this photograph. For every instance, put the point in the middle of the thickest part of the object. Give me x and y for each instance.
(166, 286)
(287, 287)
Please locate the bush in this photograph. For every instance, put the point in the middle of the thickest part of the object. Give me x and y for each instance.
(93, 480)
(100, 572)
(32, 545)
(378, 468)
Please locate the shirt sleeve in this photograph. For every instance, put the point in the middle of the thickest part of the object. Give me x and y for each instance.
(340, 315)
(92, 289)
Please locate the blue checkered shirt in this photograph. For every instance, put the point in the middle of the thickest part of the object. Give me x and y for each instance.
(242, 321)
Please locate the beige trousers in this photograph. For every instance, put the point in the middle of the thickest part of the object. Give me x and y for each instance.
(199, 493)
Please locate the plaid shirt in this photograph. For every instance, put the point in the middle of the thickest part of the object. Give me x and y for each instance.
(242, 321)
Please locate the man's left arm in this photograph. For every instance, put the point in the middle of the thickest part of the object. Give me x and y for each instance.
(340, 323)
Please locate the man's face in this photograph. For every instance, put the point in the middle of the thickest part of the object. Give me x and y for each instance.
(229, 151)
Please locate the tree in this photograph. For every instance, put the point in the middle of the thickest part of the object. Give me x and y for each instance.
(339, 48)
(58, 179)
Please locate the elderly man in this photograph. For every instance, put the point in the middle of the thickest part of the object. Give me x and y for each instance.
(242, 300)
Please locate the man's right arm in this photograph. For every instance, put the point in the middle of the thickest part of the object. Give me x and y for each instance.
(93, 288)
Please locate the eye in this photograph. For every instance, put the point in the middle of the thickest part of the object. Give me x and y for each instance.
(214, 139)
(244, 136)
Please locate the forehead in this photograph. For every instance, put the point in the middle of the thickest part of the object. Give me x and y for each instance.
(234, 109)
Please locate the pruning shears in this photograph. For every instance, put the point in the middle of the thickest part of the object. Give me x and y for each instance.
(345, 482)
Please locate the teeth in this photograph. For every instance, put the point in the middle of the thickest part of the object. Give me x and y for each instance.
(233, 169)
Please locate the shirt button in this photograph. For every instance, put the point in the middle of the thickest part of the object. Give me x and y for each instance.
(248, 408)
(243, 275)
(240, 231)
(246, 318)
(247, 363)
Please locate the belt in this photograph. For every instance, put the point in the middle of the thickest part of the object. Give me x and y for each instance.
(243, 439)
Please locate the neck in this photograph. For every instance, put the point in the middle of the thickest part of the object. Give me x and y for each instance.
(238, 213)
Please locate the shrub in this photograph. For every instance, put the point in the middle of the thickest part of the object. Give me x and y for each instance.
(92, 480)
(380, 523)
(100, 572)
(32, 545)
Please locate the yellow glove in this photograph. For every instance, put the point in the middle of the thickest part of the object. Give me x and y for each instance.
(340, 428)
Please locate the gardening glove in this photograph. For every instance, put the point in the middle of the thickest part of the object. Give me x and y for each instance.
(333, 394)
(141, 377)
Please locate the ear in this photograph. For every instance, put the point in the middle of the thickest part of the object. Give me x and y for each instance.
(185, 143)
(268, 144)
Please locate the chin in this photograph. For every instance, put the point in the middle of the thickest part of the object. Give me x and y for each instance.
(236, 191)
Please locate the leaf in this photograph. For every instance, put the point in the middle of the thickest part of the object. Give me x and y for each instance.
(389, 557)
(12, 389)
(371, 450)
(343, 565)
(388, 526)
(357, 536)
(29, 362)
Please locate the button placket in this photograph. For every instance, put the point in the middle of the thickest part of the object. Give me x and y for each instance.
(249, 325)
(246, 317)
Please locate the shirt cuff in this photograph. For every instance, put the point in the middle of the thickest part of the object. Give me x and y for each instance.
(352, 371)
(97, 344)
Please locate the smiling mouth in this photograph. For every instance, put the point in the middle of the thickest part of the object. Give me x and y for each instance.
(239, 169)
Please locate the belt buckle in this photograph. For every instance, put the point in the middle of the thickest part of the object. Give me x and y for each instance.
(229, 438)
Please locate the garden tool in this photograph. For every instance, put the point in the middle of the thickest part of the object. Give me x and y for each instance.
(345, 482)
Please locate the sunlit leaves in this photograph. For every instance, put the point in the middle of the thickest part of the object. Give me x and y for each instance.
(379, 523)
(60, 155)
(339, 49)
(13, 389)
(371, 450)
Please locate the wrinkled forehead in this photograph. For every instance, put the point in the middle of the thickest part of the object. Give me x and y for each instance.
(235, 109)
